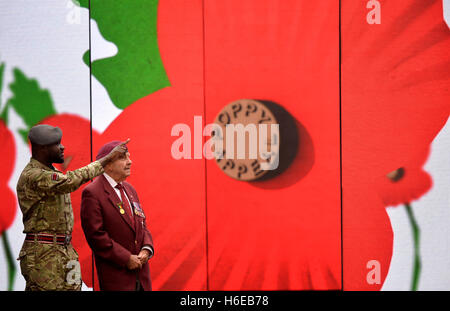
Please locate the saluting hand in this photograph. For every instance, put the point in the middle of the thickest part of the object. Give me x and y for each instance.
(118, 151)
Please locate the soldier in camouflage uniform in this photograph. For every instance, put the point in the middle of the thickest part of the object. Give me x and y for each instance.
(47, 259)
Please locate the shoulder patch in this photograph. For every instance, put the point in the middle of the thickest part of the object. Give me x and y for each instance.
(55, 177)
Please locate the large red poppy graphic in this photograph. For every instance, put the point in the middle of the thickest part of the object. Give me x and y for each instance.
(7, 158)
(215, 232)
(282, 233)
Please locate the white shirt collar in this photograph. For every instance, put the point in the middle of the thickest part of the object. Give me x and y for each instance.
(113, 184)
(111, 181)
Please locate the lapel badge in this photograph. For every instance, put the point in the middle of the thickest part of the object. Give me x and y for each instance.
(138, 210)
(136, 206)
(139, 213)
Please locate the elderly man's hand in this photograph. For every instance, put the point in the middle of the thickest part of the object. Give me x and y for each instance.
(144, 255)
(134, 263)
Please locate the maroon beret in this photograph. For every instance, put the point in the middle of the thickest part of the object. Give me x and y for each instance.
(107, 148)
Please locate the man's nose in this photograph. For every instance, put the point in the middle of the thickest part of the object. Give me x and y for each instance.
(61, 146)
(129, 160)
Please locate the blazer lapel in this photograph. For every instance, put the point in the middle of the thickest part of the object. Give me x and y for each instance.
(129, 194)
(116, 201)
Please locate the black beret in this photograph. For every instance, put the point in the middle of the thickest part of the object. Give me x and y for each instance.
(44, 134)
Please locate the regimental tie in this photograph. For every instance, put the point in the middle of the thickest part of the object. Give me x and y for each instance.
(125, 202)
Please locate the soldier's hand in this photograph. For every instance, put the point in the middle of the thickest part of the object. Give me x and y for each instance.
(118, 151)
(134, 263)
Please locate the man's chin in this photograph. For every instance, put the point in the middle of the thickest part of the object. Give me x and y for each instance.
(59, 160)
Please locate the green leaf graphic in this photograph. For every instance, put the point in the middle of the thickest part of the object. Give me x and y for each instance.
(30, 102)
(4, 113)
(136, 70)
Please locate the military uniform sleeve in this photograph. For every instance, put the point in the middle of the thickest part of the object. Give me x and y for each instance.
(55, 182)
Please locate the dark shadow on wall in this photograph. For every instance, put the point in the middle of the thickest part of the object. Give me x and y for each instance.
(296, 151)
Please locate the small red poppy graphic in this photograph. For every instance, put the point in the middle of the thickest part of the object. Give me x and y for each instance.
(8, 208)
(7, 158)
(395, 100)
(405, 184)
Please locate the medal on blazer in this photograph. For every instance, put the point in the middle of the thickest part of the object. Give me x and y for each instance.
(121, 210)
(138, 210)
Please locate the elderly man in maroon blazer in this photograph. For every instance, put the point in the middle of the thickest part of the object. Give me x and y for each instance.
(114, 224)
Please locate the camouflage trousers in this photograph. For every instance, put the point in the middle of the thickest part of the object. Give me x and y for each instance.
(50, 267)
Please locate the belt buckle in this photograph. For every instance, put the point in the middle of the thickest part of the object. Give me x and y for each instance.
(67, 240)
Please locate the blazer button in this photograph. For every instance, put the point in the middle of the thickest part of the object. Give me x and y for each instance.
(135, 241)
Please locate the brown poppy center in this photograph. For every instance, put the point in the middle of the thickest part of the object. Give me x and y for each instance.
(396, 175)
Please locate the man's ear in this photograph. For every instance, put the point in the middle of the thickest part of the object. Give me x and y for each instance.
(37, 150)
(107, 168)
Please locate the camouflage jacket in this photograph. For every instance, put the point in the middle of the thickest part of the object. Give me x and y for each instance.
(44, 196)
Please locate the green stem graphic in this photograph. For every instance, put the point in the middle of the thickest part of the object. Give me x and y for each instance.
(10, 259)
(416, 236)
